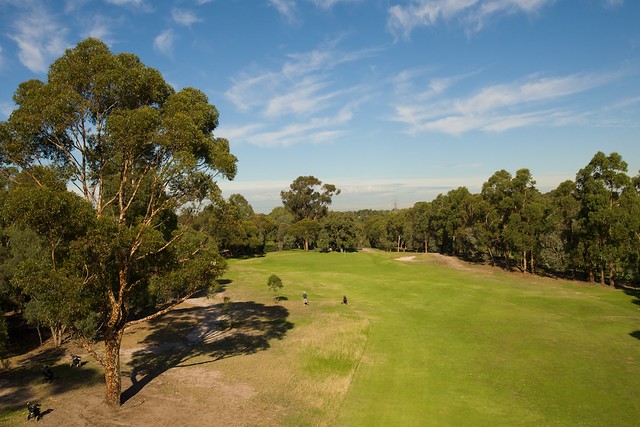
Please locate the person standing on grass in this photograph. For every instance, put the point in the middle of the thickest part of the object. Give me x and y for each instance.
(304, 298)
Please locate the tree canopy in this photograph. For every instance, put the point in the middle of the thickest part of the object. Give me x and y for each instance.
(308, 198)
(137, 152)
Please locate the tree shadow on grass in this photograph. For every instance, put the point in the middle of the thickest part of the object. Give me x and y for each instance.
(634, 292)
(208, 333)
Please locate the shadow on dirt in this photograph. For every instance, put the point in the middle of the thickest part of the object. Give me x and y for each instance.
(25, 382)
(209, 333)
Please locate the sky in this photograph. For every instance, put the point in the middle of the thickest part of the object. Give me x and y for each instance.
(392, 101)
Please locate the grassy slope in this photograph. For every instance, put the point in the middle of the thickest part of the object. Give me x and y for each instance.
(423, 344)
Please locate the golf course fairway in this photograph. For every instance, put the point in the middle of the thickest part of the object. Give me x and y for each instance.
(430, 340)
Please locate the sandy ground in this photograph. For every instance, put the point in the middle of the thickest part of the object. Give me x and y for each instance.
(183, 388)
(450, 261)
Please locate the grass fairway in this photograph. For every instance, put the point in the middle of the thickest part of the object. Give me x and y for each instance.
(422, 343)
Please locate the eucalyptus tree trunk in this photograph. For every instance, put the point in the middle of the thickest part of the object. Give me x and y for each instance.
(532, 263)
(612, 274)
(524, 261)
(112, 375)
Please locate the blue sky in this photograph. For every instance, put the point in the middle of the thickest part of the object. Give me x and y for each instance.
(392, 101)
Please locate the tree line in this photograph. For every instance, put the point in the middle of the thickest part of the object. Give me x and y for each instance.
(586, 229)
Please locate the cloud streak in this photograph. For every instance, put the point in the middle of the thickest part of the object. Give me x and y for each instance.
(184, 17)
(39, 37)
(495, 108)
(473, 14)
(301, 100)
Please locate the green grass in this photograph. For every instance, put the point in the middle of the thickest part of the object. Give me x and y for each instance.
(421, 343)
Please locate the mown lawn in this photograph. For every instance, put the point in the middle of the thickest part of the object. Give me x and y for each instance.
(422, 343)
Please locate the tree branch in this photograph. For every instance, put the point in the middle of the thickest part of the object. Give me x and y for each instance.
(164, 310)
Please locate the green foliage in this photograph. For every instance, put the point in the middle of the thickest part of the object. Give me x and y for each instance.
(233, 225)
(198, 264)
(138, 152)
(308, 198)
(275, 284)
(338, 233)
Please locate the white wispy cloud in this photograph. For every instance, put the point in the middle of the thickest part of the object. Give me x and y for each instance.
(305, 97)
(40, 38)
(100, 27)
(473, 14)
(303, 76)
(139, 4)
(286, 8)
(184, 17)
(73, 5)
(305, 100)
(497, 108)
(328, 4)
(163, 42)
(613, 3)
(289, 8)
(316, 129)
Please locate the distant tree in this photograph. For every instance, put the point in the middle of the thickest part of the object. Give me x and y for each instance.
(306, 230)
(525, 222)
(338, 232)
(600, 186)
(232, 225)
(560, 240)
(137, 151)
(375, 229)
(282, 220)
(396, 232)
(419, 217)
(275, 284)
(266, 231)
(308, 198)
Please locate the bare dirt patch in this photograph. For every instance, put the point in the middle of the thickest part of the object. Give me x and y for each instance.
(453, 262)
(406, 258)
(173, 372)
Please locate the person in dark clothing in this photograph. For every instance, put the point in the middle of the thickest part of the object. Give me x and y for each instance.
(47, 374)
(344, 299)
(34, 411)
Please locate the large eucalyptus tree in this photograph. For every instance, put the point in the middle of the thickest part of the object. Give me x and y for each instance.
(137, 151)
